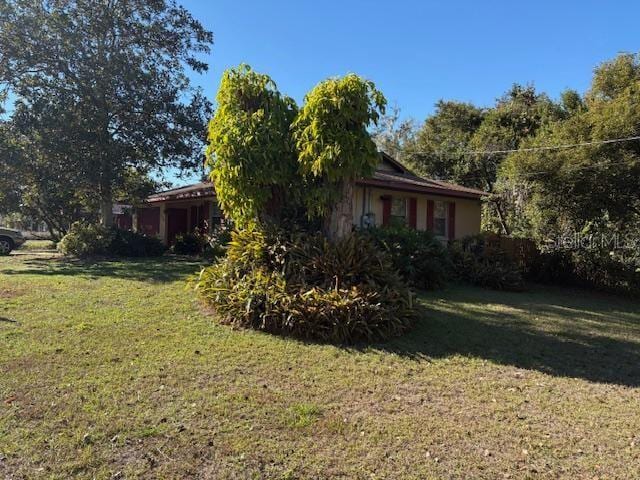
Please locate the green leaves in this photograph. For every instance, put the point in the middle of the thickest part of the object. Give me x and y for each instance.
(332, 139)
(250, 153)
(102, 88)
(299, 284)
(266, 157)
(598, 184)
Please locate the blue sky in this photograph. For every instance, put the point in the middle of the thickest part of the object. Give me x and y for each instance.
(419, 52)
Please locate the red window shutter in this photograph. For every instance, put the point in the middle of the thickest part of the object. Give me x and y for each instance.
(452, 220)
(430, 206)
(386, 209)
(413, 212)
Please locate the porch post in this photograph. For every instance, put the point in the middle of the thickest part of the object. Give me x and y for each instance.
(163, 223)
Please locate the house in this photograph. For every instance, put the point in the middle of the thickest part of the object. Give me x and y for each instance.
(392, 194)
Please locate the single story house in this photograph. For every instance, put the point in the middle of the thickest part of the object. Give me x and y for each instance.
(391, 194)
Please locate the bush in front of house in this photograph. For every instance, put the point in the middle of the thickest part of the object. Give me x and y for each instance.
(126, 243)
(598, 269)
(420, 258)
(489, 268)
(300, 284)
(218, 240)
(191, 243)
(88, 239)
(209, 245)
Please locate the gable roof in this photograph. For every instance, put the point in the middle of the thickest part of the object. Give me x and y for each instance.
(397, 177)
(400, 178)
(394, 164)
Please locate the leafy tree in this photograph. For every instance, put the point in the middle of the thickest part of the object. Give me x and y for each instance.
(392, 135)
(118, 68)
(10, 157)
(439, 148)
(44, 174)
(335, 147)
(252, 159)
(42, 177)
(466, 145)
(588, 188)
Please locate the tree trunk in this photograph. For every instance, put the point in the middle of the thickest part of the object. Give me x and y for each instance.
(501, 218)
(106, 212)
(339, 221)
(272, 212)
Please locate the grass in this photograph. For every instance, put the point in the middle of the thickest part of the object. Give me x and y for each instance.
(37, 245)
(112, 370)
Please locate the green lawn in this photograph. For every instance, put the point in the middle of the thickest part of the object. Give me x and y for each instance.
(37, 245)
(112, 370)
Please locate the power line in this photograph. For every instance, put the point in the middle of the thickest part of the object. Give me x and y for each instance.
(533, 174)
(532, 149)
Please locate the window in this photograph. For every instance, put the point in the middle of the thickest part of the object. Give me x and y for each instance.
(399, 210)
(440, 219)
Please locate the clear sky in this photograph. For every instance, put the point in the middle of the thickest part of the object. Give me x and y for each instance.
(418, 52)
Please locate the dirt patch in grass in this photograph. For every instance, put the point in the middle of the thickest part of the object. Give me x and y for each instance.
(7, 292)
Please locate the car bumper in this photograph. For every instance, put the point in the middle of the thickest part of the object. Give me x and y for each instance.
(19, 241)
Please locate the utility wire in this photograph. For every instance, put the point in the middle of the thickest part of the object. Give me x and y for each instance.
(533, 149)
(526, 175)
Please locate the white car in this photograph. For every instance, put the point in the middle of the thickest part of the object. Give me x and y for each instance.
(10, 239)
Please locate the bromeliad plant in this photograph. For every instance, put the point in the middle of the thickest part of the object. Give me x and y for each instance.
(300, 284)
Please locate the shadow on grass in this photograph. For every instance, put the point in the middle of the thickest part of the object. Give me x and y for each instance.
(561, 333)
(160, 269)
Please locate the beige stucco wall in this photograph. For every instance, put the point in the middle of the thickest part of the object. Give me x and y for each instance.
(468, 211)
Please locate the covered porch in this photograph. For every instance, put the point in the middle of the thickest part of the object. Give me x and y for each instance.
(179, 211)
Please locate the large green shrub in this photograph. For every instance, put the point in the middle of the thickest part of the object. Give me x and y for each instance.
(209, 245)
(484, 267)
(300, 284)
(190, 243)
(590, 268)
(87, 239)
(126, 243)
(218, 240)
(420, 258)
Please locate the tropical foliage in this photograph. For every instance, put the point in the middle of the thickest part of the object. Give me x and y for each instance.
(335, 147)
(252, 159)
(300, 284)
(421, 259)
(279, 274)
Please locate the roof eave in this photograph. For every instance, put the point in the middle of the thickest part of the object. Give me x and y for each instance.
(420, 189)
(186, 196)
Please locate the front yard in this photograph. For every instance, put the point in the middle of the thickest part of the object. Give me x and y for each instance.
(112, 370)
